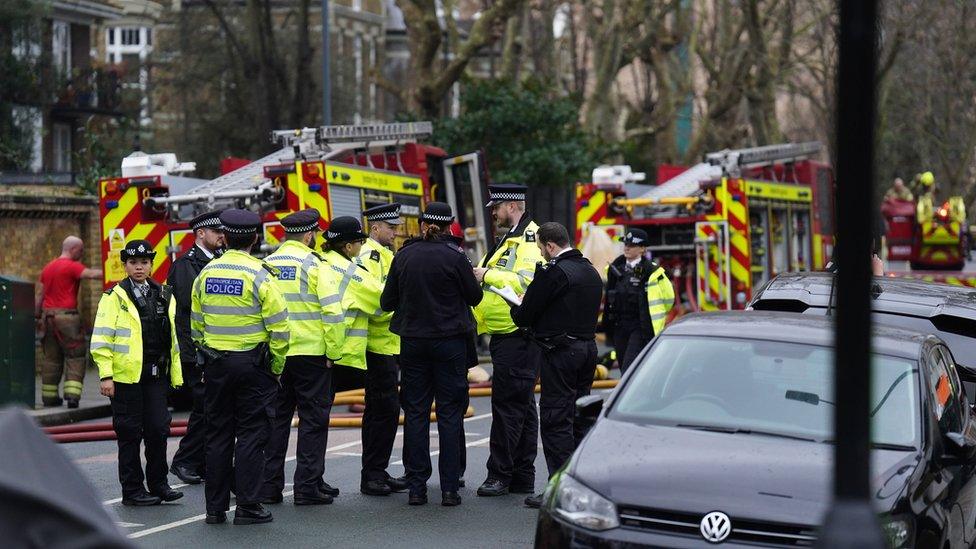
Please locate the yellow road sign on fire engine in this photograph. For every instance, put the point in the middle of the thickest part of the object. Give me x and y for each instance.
(778, 191)
(366, 178)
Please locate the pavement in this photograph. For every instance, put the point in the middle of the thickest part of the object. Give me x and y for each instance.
(354, 520)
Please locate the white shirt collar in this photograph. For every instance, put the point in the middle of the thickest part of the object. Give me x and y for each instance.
(562, 251)
(633, 262)
(206, 252)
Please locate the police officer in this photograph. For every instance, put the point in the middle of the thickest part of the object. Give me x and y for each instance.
(514, 421)
(306, 383)
(639, 296)
(430, 290)
(560, 308)
(188, 463)
(357, 291)
(382, 413)
(134, 347)
(237, 319)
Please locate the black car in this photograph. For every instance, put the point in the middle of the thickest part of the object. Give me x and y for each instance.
(942, 309)
(721, 433)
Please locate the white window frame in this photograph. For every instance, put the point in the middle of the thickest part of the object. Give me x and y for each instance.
(61, 147)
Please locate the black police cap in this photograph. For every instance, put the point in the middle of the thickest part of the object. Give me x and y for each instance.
(344, 229)
(237, 221)
(636, 237)
(301, 222)
(389, 213)
(506, 192)
(138, 249)
(209, 219)
(437, 213)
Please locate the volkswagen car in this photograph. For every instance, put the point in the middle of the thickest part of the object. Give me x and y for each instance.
(722, 434)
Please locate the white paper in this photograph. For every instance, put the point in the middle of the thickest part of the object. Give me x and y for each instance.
(507, 293)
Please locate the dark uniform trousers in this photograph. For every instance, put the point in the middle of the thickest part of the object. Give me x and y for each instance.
(191, 452)
(566, 374)
(240, 392)
(432, 369)
(306, 384)
(514, 420)
(629, 340)
(139, 414)
(381, 417)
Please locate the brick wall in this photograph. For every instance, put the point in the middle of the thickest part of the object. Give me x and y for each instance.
(32, 226)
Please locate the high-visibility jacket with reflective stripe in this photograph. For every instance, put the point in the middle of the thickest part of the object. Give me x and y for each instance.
(377, 259)
(358, 293)
(116, 343)
(512, 264)
(660, 298)
(234, 307)
(298, 280)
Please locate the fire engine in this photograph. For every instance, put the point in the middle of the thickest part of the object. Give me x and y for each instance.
(339, 170)
(725, 226)
(932, 240)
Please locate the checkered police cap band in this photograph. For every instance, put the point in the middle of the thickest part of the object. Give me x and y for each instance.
(302, 228)
(240, 230)
(383, 215)
(432, 217)
(211, 222)
(507, 196)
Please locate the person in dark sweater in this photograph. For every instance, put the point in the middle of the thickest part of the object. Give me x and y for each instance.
(431, 289)
(560, 309)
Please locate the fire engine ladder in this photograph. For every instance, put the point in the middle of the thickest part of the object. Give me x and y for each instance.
(249, 181)
(727, 162)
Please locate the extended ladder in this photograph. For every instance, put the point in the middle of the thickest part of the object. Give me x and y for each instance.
(249, 181)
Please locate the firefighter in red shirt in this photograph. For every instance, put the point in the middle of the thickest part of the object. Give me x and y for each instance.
(56, 309)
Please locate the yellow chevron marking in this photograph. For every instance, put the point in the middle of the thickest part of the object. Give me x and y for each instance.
(115, 216)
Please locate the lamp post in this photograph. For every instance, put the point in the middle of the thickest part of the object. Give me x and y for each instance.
(326, 82)
(852, 521)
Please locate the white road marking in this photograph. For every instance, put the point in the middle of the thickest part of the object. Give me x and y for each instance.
(350, 454)
(128, 524)
(468, 445)
(184, 522)
(191, 520)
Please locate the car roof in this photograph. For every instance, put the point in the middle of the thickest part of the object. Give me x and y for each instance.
(792, 328)
(905, 296)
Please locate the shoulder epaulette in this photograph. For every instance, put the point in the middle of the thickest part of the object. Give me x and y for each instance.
(270, 268)
(318, 255)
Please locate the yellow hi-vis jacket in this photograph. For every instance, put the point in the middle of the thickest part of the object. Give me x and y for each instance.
(298, 280)
(660, 298)
(116, 343)
(511, 264)
(358, 293)
(234, 307)
(377, 260)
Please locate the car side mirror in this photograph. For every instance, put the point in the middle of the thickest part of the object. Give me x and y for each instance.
(962, 449)
(588, 409)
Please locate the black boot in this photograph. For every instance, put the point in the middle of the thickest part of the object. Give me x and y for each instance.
(534, 501)
(252, 514)
(375, 488)
(450, 499)
(216, 518)
(144, 499)
(397, 484)
(185, 474)
(167, 494)
(327, 488)
(493, 487)
(72, 402)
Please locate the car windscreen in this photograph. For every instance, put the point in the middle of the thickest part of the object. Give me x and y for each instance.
(765, 386)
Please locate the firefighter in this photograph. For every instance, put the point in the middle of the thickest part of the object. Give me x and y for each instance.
(639, 297)
(923, 184)
(188, 463)
(56, 312)
(306, 383)
(514, 421)
(431, 289)
(899, 191)
(134, 347)
(382, 414)
(239, 323)
(560, 308)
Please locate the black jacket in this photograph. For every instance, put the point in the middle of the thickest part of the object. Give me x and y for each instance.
(181, 276)
(563, 298)
(431, 289)
(615, 312)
